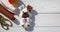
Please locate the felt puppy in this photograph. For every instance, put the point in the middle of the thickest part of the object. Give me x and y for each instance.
(25, 16)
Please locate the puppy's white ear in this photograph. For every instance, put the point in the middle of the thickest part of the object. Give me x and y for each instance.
(21, 7)
(29, 8)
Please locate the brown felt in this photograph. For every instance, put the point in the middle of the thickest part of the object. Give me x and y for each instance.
(6, 12)
(29, 8)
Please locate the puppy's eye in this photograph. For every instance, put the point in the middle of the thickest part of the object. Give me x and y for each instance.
(28, 25)
(22, 25)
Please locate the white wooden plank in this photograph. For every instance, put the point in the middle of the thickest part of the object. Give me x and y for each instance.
(36, 29)
(47, 29)
(44, 6)
(47, 20)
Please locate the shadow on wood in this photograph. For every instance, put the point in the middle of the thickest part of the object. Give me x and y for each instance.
(34, 13)
(18, 11)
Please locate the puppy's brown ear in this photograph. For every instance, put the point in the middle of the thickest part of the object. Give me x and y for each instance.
(29, 8)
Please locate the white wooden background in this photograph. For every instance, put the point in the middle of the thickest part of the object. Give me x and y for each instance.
(46, 16)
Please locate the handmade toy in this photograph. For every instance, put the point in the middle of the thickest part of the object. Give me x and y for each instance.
(5, 23)
(7, 8)
(25, 17)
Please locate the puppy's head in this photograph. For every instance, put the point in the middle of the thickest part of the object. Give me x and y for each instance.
(25, 23)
